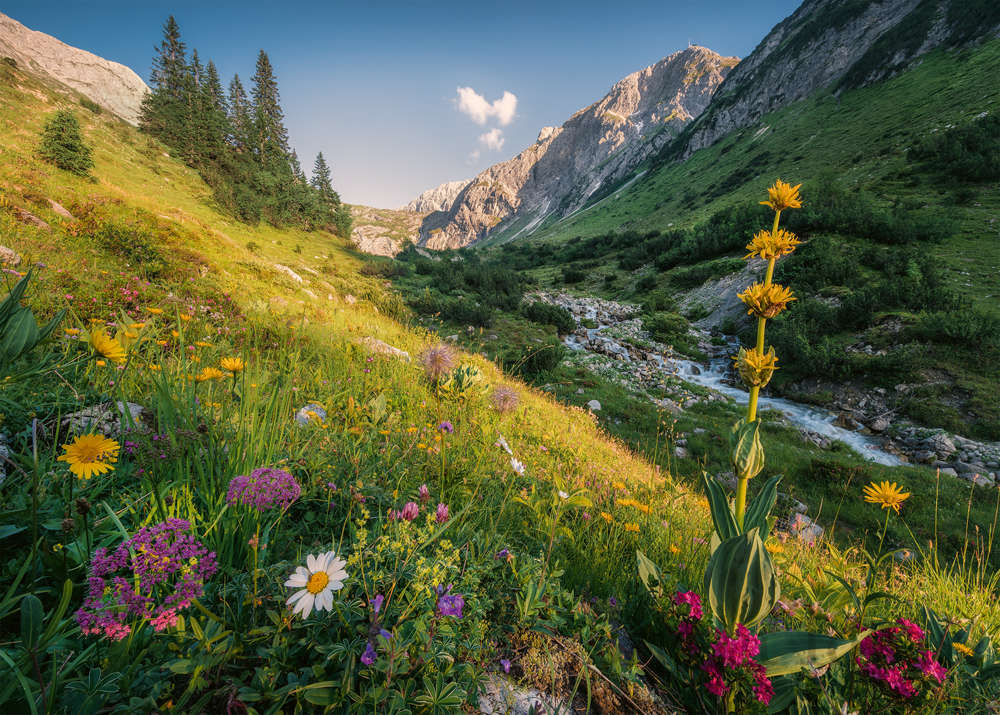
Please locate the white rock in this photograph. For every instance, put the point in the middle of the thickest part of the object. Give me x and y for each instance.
(594, 406)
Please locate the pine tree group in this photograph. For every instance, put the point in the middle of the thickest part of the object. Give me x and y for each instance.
(238, 143)
(63, 145)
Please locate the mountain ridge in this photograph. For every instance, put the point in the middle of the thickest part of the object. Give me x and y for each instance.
(603, 141)
(112, 85)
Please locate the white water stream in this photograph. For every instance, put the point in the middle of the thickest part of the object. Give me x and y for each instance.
(807, 417)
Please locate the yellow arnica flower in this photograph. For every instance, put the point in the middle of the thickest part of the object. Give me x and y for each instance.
(107, 346)
(72, 331)
(886, 495)
(755, 368)
(766, 301)
(202, 344)
(783, 196)
(772, 244)
(90, 454)
(231, 364)
(209, 373)
(606, 516)
(155, 311)
(632, 527)
(185, 317)
(963, 649)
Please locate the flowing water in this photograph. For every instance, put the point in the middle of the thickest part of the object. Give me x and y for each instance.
(806, 417)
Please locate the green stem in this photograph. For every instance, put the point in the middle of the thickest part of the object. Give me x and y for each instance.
(741, 500)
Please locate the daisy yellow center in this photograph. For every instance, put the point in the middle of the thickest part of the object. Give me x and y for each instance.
(317, 582)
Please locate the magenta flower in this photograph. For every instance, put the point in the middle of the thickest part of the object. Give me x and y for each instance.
(441, 516)
(424, 493)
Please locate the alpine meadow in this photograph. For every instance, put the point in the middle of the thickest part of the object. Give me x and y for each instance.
(690, 405)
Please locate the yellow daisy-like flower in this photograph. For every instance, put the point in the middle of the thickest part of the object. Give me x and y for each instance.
(185, 317)
(90, 454)
(202, 344)
(174, 334)
(783, 196)
(107, 346)
(963, 649)
(606, 516)
(155, 311)
(72, 331)
(209, 373)
(766, 301)
(755, 368)
(634, 528)
(161, 343)
(886, 495)
(231, 364)
(137, 326)
(768, 245)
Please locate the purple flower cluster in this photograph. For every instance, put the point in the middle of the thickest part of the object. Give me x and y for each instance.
(153, 575)
(264, 489)
(441, 515)
(897, 659)
(449, 604)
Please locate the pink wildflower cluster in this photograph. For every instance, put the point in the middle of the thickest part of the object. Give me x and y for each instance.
(409, 512)
(897, 659)
(264, 489)
(153, 575)
(727, 661)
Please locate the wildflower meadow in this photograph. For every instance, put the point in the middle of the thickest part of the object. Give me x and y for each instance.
(206, 510)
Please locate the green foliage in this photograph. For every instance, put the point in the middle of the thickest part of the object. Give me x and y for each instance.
(968, 153)
(19, 330)
(533, 361)
(90, 105)
(548, 314)
(63, 145)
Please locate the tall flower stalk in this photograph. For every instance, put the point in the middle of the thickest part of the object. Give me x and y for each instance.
(764, 300)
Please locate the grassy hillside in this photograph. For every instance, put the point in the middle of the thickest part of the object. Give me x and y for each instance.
(539, 541)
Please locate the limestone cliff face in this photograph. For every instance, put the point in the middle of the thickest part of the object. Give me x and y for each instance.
(833, 43)
(598, 145)
(440, 198)
(111, 85)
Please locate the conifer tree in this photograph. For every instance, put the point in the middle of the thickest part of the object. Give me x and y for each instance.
(240, 118)
(63, 145)
(216, 120)
(300, 176)
(271, 137)
(164, 109)
(322, 181)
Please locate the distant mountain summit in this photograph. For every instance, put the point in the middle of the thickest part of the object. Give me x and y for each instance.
(595, 147)
(440, 198)
(110, 84)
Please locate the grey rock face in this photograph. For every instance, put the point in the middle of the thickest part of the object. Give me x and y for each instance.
(817, 45)
(440, 198)
(597, 146)
(110, 84)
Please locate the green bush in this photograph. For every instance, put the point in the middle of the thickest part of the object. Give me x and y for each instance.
(970, 152)
(63, 145)
(546, 314)
(532, 361)
(90, 105)
(134, 243)
(572, 275)
(455, 310)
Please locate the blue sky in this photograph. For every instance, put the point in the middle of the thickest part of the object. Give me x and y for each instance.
(375, 85)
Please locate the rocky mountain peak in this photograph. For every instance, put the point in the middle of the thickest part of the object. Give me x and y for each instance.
(109, 84)
(597, 146)
(440, 198)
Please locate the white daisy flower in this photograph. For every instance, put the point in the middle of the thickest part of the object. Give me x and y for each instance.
(517, 465)
(317, 580)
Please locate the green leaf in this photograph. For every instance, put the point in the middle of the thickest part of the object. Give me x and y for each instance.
(759, 509)
(786, 652)
(31, 621)
(748, 452)
(649, 574)
(785, 690)
(661, 655)
(11, 529)
(722, 515)
(740, 581)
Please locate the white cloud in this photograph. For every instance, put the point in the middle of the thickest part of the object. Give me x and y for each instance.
(492, 140)
(479, 110)
(474, 156)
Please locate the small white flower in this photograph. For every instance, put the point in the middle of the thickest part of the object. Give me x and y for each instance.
(517, 464)
(502, 444)
(563, 495)
(317, 580)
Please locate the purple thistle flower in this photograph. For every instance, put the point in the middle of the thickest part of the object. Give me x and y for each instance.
(446, 426)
